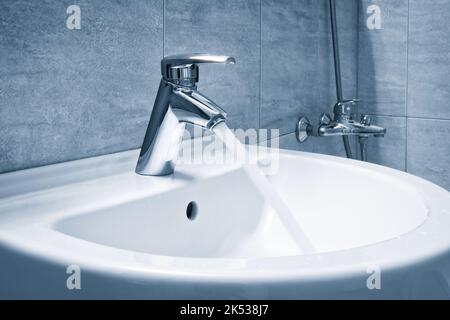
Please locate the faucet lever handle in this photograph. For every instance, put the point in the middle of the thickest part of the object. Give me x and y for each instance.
(188, 59)
(183, 69)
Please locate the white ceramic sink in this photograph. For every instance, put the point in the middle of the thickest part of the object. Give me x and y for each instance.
(131, 236)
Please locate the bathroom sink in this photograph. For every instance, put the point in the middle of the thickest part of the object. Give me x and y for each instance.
(213, 231)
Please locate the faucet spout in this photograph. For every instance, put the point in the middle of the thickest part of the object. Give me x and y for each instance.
(190, 106)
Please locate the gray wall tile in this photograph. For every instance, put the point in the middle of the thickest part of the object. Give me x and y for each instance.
(221, 27)
(385, 56)
(382, 78)
(289, 142)
(429, 150)
(69, 94)
(429, 61)
(389, 151)
(333, 146)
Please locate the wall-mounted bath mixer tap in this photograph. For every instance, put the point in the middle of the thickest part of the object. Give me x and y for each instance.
(345, 122)
(339, 126)
(177, 103)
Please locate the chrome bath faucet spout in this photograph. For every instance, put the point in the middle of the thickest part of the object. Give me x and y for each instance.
(177, 103)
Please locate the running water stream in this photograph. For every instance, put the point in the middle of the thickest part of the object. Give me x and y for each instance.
(270, 194)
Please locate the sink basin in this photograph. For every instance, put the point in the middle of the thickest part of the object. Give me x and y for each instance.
(242, 226)
(213, 231)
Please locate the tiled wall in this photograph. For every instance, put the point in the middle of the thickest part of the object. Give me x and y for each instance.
(69, 94)
(404, 80)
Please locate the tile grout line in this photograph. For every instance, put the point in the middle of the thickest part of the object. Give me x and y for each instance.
(280, 136)
(358, 13)
(406, 117)
(260, 63)
(164, 28)
(428, 119)
(407, 89)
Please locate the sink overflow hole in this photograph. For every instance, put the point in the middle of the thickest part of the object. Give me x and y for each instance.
(191, 211)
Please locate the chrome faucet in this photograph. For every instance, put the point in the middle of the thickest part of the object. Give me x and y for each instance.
(343, 124)
(177, 103)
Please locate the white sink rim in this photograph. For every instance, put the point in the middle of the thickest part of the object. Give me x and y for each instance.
(430, 240)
